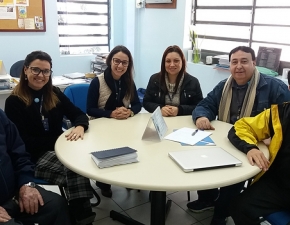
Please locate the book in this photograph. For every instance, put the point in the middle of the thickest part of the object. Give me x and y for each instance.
(113, 157)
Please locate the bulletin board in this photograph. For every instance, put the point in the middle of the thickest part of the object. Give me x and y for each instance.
(22, 16)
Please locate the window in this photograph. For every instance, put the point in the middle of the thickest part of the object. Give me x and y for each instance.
(224, 24)
(83, 26)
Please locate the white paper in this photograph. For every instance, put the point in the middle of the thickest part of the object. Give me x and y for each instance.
(7, 13)
(29, 23)
(60, 80)
(75, 75)
(184, 135)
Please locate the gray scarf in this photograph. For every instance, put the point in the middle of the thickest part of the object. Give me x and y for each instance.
(248, 103)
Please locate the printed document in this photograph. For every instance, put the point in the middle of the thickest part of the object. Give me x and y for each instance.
(188, 136)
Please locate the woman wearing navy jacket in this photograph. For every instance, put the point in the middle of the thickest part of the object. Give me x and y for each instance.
(113, 94)
(175, 91)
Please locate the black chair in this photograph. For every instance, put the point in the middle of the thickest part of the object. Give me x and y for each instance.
(16, 68)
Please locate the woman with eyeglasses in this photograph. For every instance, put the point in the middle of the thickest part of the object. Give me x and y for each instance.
(113, 94)
(37, 108)
(172, 89)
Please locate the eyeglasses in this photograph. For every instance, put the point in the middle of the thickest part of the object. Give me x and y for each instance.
(116, 61)
(36, 71)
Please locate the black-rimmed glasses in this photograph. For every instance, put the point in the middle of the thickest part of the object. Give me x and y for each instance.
(116, 61)
(36, 71)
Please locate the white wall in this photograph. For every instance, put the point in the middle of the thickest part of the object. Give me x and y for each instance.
(15, 46)
(146, 32)
(158, 29)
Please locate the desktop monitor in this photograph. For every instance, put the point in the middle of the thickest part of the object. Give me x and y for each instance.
(269, 58)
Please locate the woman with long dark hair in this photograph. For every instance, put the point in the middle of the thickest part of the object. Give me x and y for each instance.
(37, 108)
(113, 94)
(172, 89)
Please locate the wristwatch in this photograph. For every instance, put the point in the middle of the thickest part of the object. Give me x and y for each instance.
(132, 114)
(30, 184)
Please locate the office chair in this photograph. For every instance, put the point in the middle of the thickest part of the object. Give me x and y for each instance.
(278, 218)
(77, 93)
(16, 68)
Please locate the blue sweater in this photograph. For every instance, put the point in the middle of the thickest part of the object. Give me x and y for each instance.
(16, 168)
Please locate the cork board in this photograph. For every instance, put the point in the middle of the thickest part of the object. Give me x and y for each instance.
(22, 16)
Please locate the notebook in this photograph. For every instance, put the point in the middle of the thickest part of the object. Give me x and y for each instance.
(113, 152)
(203, 159)
(113, 157)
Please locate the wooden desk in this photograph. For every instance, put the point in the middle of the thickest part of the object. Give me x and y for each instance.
(155, 171)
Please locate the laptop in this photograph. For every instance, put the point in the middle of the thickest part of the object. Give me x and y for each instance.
(204, 159)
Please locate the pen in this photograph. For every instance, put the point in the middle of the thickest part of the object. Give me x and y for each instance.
(194, 132)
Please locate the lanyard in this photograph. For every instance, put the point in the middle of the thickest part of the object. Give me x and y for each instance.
(40, 108)
(170, 97)
(43, 120)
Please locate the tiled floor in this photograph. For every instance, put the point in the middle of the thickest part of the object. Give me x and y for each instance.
(136, 205)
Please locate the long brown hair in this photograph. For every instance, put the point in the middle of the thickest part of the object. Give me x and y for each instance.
(128, 75)
(173, 48)
(22, 89)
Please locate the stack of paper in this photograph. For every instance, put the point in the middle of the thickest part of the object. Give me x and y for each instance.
(224, 62)
(74, 75)
(113, 157)
(188, 135)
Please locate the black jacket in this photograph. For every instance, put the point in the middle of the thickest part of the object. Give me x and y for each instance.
(190, 94)
(29, 122)
(16, 168)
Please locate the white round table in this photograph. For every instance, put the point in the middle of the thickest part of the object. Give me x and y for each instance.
(155, 171)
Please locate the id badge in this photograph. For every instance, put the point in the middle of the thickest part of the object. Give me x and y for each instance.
(45, 124)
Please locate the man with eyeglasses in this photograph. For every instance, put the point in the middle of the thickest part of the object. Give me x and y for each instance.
(245, 93)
